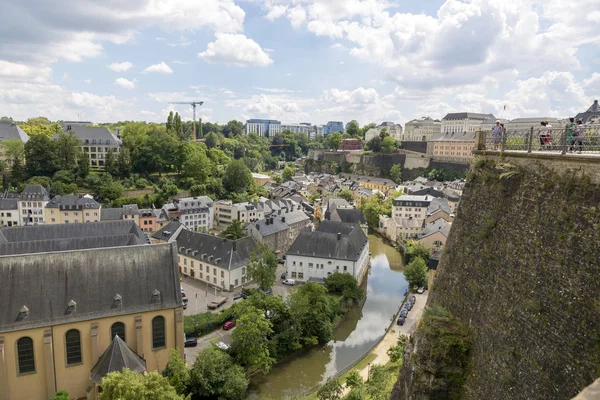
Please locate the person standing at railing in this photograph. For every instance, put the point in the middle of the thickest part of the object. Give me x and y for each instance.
(497, 135)
(570, 133)
(578, 136)
(544, 135)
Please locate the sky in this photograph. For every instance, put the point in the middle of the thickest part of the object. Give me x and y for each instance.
(297, 60)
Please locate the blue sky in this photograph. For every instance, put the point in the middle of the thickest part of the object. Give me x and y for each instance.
(298, 60)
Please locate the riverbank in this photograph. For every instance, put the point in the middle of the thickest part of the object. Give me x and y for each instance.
(379, 356)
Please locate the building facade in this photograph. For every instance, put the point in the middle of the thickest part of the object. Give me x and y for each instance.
(351, 145)
(216, 261)
(96, 142)
(196, 213)
(421, 130)
(303, 127)
(452, 147)
(333, 126)
(53, 334)
(263, 127)
(226, 212)
(394, 130)
(32, 201)
(9, 209)
(71, 209)
(280, 230)
(465, 122)
(409, 206)
(332, 247)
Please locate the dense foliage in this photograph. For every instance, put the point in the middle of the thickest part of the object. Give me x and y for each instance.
(345, 285)
(129, 385)
(416, 273)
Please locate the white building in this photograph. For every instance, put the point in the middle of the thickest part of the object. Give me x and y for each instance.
(263, 127)
(213, 260)
(465, 122)
(395, 131)
(523, 124)
(396, 229)
(226, 211)
(421, 130)
(410, 206)
(332, 247)
(196, 213)
(31, 205)
(9, 209)
(303, 127)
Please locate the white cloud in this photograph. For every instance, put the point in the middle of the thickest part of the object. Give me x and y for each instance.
(277, 90)
(120, 67)
(235, 49)
(125, 83)
(21, 72)
(167, 97)
(283, 107)
(87, 81)
(161, 68)
(276, 12)
(592, 85)
(180, 62)
(364, 105)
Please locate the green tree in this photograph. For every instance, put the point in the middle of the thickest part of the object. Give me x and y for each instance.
(354, 380)
(40, 156)
(376, 386)
(170, 121)
(109, 190)
(60, 395)
(262, 266)
(346, 194)
(396, 173)
(83, 165)
(214, 375)
(352, 128)
(110, 164)
(372, 207)
(211, 140)
(384, 133)
(312, 309)
(128, 385)
(366, 128)
(287, 174)
(334, 140)
(331, 390)
(344, 284)
(249, 341)
(177, 373)
(415, 250)
(14, 151)
(233, 128)
(395, 353)
(177, 126)
(134, 134)
(234, 231)
(416, 272)
(374, 144)
(67, 150)
(237, 177)
(388, 144)
(124, 163)
(197, 165)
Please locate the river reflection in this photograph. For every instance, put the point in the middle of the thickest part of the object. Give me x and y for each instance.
(354, 336)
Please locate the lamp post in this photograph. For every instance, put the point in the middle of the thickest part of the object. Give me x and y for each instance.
(368, 372)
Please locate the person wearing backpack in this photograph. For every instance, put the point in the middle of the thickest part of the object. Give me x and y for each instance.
(570, 133)
(578, 136)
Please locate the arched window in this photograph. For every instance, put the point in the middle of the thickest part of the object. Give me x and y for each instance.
(25, 355)
(438, 243)
(118, 328)
(158, 332)
(73, 346)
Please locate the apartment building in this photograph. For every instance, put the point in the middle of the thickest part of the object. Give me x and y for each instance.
(32, 201)
(279, 232)
(332, 247)
(263, 127)
(411, 206)
(422, 130)
(72, 209)
(214, 260)
(9, 209)
(397, 229)
(452, 147)
(196, 213)
(226, 212)
(96, 142)
(465, 122)
(393, 129)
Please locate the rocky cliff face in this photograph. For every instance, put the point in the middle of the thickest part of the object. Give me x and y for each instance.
(520, 277)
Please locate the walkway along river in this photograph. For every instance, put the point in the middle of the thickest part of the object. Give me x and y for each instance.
(352, 338)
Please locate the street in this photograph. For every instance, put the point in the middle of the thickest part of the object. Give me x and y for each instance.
(191, 353)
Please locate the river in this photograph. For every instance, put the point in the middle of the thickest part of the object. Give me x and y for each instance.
(360, 329)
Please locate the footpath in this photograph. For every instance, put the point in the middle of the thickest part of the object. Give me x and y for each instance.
(391, 337)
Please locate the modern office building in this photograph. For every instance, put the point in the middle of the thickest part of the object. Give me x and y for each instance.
(263, 127)
(333, 126)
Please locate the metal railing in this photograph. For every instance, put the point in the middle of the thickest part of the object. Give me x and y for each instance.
(562, 140)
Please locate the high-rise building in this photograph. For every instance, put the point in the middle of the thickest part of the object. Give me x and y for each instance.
(263, 127)
(333, 126)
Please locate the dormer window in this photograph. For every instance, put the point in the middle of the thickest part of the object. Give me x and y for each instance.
(117, 301)
(156, 296)
(23, 313)
(71, 306)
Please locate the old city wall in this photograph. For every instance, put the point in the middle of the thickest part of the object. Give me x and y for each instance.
(516, 294)
(364, 164)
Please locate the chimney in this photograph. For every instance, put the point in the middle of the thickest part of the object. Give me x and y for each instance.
(234, 245)
(339, 235)
(282, 219)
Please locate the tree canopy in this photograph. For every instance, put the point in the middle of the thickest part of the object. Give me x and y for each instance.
(215, 375)
(234, 231)
(128, 385)
(416, 272)
(334, 140)
(249, 342)
(262, 266)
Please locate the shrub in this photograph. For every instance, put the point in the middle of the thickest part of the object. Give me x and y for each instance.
(203, 324)
(60, 395)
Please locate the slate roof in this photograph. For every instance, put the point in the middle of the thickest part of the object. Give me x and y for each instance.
(464, 115)
(439, 204)
(10, 130)
(295, 217)
(167, 231)
(116, 358)
(72, 202)
(454, 137)
(348, 215)
(324, 242)
(9, 203)
(34, 192)
(270, 226)
(80, 243)
(214, 250)
(111, 214)
(146, 278)
(407, 222)
(92, 134)
(70, 231)
(591, 112)
(439, 225)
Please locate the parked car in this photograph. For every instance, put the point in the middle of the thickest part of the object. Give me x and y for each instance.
(228, 325)
(421, 290)
(223, 346)
(268, 291)
(184, 299)
(191, 342)
(401, 320)
(413, 299)
(404, 313)
(408, 305)
(289, 282)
